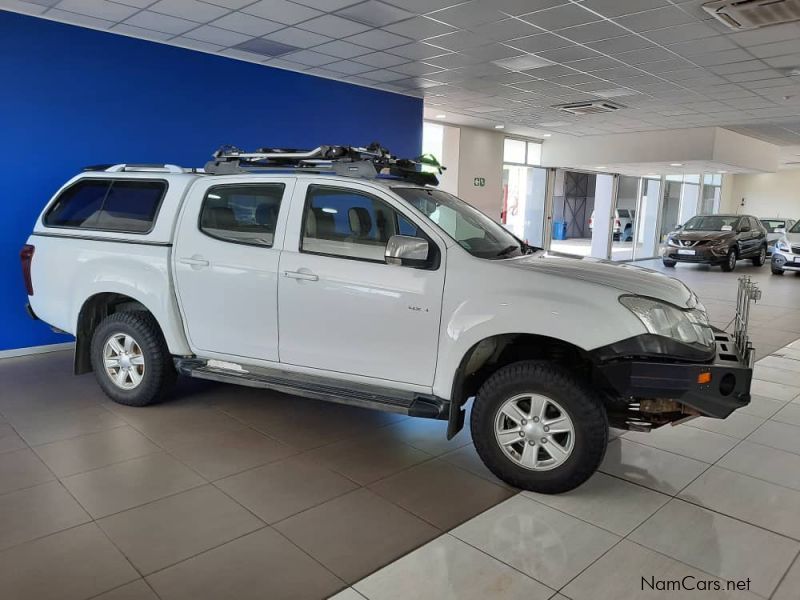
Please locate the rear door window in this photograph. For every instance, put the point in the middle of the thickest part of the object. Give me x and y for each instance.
(124, 205)
(243, 214)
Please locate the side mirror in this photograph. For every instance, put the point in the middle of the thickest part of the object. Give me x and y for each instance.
(406, 251)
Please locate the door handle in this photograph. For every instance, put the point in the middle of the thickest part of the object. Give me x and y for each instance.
(301, 276)
(194, 261)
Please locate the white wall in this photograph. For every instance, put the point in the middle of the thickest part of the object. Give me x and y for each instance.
(481, 156)
(765, 194)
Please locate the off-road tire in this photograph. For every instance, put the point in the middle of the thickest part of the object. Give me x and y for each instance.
(670, 264)
(730, 264)
(759, 260)
(159, 373)
(584, 408)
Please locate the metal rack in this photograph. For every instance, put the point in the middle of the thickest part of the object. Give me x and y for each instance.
(350, 161)
(748, 292)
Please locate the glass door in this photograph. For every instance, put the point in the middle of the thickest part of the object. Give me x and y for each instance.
(645, 237)
(524, 196)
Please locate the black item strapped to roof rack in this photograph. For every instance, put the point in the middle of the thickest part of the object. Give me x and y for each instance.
(370, 162)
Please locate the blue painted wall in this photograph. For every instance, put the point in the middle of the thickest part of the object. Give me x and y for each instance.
(73, 97)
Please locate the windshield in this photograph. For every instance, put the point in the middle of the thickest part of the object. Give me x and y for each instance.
(796, 228)
(470, 228)
(711, 223)
(773, 224)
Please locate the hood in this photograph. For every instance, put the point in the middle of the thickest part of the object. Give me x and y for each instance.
(703, 235)
(624, 277)
(794, 238)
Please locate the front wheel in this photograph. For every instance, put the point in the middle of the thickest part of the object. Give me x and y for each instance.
(130, 359)
(538, 427)
(730, 261)
(761, 258)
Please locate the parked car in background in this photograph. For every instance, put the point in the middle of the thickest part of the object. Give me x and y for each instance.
(776, 227)
(623, 224)
(717, 240)
(786, 252)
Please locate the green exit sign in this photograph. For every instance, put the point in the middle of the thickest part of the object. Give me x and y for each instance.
(479, 182)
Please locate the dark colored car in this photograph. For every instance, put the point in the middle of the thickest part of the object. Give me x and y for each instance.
(717, 240)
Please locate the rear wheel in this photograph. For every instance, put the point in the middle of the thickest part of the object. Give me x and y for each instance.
(130, 359)
(669, 263)
(730, 261)
(538, 427)
(761, 258)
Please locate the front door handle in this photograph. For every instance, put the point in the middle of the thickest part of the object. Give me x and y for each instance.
(301, 275)
(194, 261)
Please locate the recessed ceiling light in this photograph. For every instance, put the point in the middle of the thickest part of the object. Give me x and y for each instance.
(523, 62)
(601, 167)
(675, 164)
(547, 135)
(499, 126)
(722, 172)
(441, 116)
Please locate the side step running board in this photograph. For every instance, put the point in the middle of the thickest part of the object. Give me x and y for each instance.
(406, 403)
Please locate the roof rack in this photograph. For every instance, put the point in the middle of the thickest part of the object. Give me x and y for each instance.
(370, 162)
(136, 167)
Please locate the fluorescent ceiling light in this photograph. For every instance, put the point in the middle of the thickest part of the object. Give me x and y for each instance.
(614, 92)
(601, 167)
(499, 126)
(722, 172)
(523, 62)
(675, 164)
(441, 116)
(547, 135)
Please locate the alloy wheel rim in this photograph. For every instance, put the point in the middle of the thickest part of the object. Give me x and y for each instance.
(732, 260)
(763, 255)
(124, 361)
(534, 431)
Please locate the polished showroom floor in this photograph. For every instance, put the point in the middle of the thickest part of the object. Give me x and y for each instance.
(228, 492)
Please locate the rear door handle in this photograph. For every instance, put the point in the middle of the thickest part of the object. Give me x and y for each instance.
(301, 276)
(194, 261)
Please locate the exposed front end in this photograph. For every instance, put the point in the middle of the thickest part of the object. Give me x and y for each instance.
(785, 256)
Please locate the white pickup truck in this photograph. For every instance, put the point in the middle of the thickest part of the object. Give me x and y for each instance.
(338, 274)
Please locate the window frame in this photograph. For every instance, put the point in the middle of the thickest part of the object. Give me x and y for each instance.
(527, 143)
(110, 181)
(433, 248)
(240, 242)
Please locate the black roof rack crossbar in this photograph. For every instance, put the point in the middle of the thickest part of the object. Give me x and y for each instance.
(350, 161)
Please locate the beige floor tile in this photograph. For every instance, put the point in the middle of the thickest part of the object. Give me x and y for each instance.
(770, 464)
(365, 460)
(136, 590)
(656, 469)
(789, 587)
(786, 360)
(777, 435)
(124, 485)
(763, 407)
(548, 545)
(225, 454)
(357, 533)
(441, 493)
(70, 565)
(41, 428)
(37, 511)
(185, 426)
(20, 469)
(713, 543)
(448, 569)
(467, 458)
(9, 439)
(281, 489)
(261, 565)
(737, 425)
(619, 575)
(164, 532)
(691, 442)
(748, 499)
(766, 372)
(428, 435)
(788, 414)
(347, 594)
(778, 391)
(608, 502)
(94, 450)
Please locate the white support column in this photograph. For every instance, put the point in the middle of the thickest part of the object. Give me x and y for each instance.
(603, 211)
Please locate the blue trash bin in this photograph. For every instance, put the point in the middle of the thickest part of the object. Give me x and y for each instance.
(559, 230)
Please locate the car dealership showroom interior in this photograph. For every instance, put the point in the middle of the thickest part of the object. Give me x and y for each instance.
(400, 299)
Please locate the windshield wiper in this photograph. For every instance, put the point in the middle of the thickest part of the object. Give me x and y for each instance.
(508, 250)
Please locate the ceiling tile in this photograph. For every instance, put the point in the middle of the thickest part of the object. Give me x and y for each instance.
(333, 26)
(560, 17)
(348, 67)
(658, 18)
(378, 39)
(232, 4)
(419, 28)
(418, 51)
(416, 68)
(453, 60)
(327, 5)
(151, 20)
(702, 46)
(784, 62)
(188, 9)
(265, 47)
(28, 8)
(281, 11)
(140, 32)
(681, 33)
(80, 19)
(491, 52)
(595, 64)
(376, 14)
(519, 7)
(767, 35)
(381, 59)
(626, 43)
(193, 44)
(99, 9)
(215, 35)
(298, 37)
(617, 8)
(342, 49)
(776, 48)
(458, 40)
(468, 14)
(506, 29)
(310, 58)
(721, 58)
(741, 67)
(522, 63)
(570, 54)
(383, 75)
(249, 24)
(591, 32)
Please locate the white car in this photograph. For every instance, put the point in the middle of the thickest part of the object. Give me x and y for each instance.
(310, 273)
(623, 224)
(776, 227)
(786, 252)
